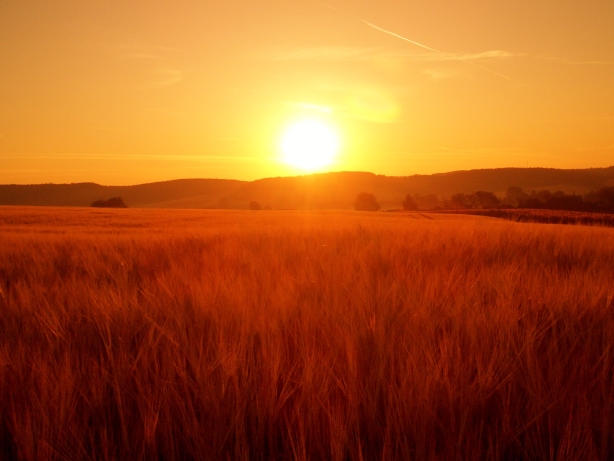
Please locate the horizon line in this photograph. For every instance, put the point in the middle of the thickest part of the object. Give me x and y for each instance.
(302, 175)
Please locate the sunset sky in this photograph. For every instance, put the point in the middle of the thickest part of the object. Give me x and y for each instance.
(126, 92)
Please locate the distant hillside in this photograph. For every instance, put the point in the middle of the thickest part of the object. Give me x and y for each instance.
(159, 194)
(338, 190)
(317, 191)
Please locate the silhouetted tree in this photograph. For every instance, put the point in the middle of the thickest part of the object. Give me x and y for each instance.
(565, 202)
(485, 199)
(409, 203)
(114, 202)
(544, 196)
(366, 202)
(601, 200)
(531, 202)
(253, 205)
(515, 195)
(427, 202)
(459, 201)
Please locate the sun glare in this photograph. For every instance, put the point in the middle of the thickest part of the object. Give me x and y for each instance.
(309, 145)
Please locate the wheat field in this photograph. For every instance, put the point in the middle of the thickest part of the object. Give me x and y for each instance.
(281, 335)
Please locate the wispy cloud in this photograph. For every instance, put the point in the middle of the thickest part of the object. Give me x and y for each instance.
(373, 26)
(161, 78)
(368, 101)
(436, 55)
(165, 77)
(441, 53)
(421, 45)
(575, 62)
(336, 53)
(156, 63)
(377, 54)
(441, 74)
(492, 55)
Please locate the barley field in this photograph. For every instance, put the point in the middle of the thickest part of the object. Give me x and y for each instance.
(286, 335)
(544, 216)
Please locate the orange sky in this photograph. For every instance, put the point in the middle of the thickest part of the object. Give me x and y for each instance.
(125, 92)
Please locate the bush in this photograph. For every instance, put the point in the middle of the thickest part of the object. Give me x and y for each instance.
(253, 205)
(486, 199)
(366, 202)
(409, 203)
(114, 202)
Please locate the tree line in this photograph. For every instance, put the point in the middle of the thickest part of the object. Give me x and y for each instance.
(113, 202)
(600, 201)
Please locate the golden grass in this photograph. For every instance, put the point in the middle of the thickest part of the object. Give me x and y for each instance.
(544, 216)
(177, 335)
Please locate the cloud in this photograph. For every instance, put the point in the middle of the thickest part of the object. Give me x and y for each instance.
(440, 53)
(574, 62)
(337, 53)
(155, 63)
(492, 55)
(462, 57)
(164, 78)
(372, 104)
(373, 26)
(167, 77)
(377, 103)
(340, 53)
(441, 74)
(379, 55)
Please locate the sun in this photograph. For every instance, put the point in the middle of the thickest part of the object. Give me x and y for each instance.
(309, 144)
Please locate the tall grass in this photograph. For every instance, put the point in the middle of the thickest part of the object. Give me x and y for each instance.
(303, 336)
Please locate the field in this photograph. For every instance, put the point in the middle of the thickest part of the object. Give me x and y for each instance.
(279, 335)
(545, 216)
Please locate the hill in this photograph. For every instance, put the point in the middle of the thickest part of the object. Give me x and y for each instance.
(316, 191)
(167, 194)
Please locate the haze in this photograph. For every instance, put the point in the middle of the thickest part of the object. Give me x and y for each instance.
(133, 92)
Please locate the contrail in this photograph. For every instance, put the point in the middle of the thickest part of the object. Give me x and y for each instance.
(437, 51)
(400, 36)
(385, 31)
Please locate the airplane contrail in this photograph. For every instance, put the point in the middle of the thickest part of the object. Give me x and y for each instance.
(437, 51)
(385, 31)
(399, 36)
